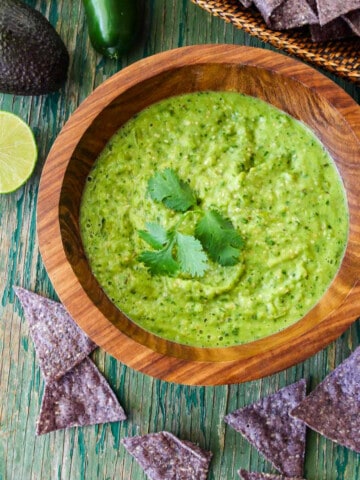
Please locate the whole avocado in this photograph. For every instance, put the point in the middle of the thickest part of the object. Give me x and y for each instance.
(33, 58)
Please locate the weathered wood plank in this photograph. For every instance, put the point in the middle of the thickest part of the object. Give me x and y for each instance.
(190, 412)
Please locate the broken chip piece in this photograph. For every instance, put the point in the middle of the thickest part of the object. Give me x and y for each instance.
(245, 475)
(333, 408)
(267, 7)
(328, 10)
(81, 397)
(163, 456)
(337, 28)
(59, 343)
(286, 14)
(268, 426)
(246, 3)
(353, 20)
(292, 14)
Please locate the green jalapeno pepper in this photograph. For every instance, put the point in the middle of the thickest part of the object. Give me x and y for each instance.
(112, 25)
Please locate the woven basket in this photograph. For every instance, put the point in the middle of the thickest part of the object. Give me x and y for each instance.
(341, 57)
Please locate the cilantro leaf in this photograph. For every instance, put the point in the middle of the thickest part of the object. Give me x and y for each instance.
(155, 235)
(219, 238)
(160, 262)
(174, 252)
(190, 255)
(168, 188)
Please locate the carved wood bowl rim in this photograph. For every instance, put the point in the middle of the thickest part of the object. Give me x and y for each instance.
(263, 73)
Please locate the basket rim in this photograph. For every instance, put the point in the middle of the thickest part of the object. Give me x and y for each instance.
(340, 57)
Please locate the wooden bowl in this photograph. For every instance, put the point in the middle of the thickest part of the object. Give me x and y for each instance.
(283, 82)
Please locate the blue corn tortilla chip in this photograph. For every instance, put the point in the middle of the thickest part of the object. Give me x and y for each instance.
(81, 397)
(292, 14)
(246, 3)
(333, 408)
(268, 426)
(163, 456)
(353, 21)
(328, 10)
(59, 343)
(267, 7)
(334, 30)
(245, 475)
(286, 14)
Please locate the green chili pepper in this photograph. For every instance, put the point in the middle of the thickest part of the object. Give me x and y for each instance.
(112, 25)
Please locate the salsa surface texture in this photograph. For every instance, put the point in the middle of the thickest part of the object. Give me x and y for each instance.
(260, 168)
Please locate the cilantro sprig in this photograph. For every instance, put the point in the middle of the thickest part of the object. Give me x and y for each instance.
(175, 252)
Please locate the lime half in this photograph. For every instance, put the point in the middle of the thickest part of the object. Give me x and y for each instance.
(18, 152)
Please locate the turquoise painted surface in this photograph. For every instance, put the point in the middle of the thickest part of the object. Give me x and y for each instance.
(194, 413)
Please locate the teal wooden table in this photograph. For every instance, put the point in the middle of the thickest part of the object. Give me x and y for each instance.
(193, 413)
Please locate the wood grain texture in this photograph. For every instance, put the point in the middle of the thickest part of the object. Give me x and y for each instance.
(194, 413)
(281, 81)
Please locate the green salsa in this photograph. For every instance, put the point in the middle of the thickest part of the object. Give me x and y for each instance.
(262, 169)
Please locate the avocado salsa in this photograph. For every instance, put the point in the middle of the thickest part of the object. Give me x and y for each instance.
(262, 169)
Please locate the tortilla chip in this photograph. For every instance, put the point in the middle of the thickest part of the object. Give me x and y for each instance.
(313, 5)
(333, 408)
(285, 14)
(59, 343)
(268, 426)
(328, 10)
(246, 3)
(353, 20)
(292, 14)
(334, 30)
(81, 397)
(267, 7)
(164, 456)
(245, 475)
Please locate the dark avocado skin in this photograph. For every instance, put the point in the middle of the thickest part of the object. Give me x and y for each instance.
(33, 58)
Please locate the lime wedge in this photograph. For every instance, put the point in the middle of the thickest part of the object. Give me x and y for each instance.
(18, 152)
